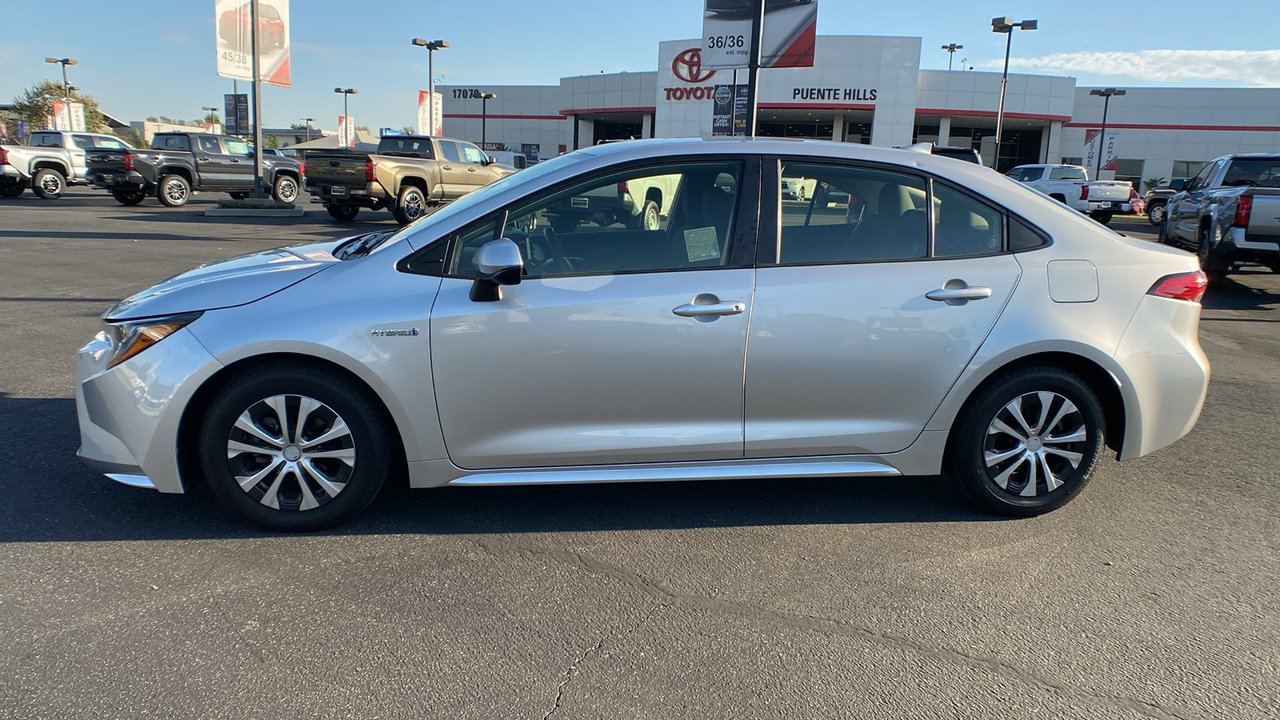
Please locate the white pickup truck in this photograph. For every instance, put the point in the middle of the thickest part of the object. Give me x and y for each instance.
(51, 161)
(1070, 184)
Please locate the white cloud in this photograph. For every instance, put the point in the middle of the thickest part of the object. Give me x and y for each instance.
(1250, 67)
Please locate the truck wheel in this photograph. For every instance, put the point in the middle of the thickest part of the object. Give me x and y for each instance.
(343, 213)
(1211, 261)
(650, 217)
(239, 195)
(48, 184)
(411, 205)
(1102, 216)
(11, 190)
(173, 191)
(128, 197)
(286, 189)
(1155, 214)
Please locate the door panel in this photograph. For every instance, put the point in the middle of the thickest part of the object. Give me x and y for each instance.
(591, 370)
(854, 358)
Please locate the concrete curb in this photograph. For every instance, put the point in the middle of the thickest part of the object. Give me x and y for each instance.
(253, 212)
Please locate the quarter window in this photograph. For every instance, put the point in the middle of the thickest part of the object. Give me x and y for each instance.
(670, 217)
(964, 226)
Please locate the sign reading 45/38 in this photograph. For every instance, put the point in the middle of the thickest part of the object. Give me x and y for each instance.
(787, 35)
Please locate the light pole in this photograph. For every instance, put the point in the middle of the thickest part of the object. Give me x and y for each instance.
(951, 54)
(308, 121)
(209, 110)
(346, 114)
(432, 46)
(484, 113)
(66, 86)
(1105, 94)
(1006, 25)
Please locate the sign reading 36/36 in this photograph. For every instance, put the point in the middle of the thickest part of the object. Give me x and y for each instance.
(788, 34)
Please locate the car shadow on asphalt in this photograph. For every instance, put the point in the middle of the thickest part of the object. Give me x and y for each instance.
(1235, 294)
(48, 496)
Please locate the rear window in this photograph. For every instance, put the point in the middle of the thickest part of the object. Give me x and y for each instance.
(1067, 173)
(53, 140)
(1247, 172)
(170, 142)
(406, 147)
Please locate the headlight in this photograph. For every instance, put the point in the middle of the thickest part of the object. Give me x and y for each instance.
(131, 337)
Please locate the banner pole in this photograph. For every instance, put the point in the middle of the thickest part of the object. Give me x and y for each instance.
(753, 66)
(257, 100)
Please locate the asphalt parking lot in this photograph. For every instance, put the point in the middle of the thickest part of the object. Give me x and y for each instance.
(1154, 595)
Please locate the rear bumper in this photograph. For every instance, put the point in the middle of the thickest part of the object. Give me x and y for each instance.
(9, 175)
(369, 195)
(1237, 245)
(122, 180)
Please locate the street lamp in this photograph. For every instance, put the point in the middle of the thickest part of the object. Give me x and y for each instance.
(208, 109)
(432, 46)
(346, 114)
(484, 113)
(66, 86)
(951, 54)
(1105, 94)
(308, 121)
(1006, 25)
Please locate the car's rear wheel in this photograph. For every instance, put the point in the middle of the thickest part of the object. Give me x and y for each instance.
(1028, 442)
(128, 197)
(173, 191)
(343, 213)
(48, 184)
(1155, 213)
(411, 205)
(1211, 261)
(295, 448)
(1102, 216)
(650, 216)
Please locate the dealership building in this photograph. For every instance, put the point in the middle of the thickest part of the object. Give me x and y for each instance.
(871, 90)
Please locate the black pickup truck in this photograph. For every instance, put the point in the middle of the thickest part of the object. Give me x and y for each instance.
(181, 163)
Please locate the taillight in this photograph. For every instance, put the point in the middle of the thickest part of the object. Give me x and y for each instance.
(368, 170)
(1244, 207)
(4, 156)
(302, 169)
(128, 162)
(1084, 192)
(1183, 286)
(622, 188)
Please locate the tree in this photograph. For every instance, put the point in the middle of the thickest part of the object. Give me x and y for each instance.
(213, 118)
(152, 118)
(408, 130)
(362, 128)
(271, 141)
(134, 137)
(35, 105)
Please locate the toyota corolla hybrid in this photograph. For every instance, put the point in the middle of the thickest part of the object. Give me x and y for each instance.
(937, 318)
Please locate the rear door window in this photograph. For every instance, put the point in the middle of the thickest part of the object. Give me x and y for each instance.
(450, 150)
(84, 142)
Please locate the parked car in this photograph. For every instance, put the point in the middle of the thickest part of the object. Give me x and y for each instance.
(967, 154)
(52, 161)
(1157, 197)
(1229, 214)
(1070, 185)
(182, 163)
(1009, 342)
(408, 174)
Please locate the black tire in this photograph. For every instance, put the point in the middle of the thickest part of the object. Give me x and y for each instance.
(343, 213)
(48, 184)
(974, 440)
(650, 217)
(128, 197)
(411, 205)
(1102, 216)
(285, 189)
(11, 191)
(1155, 213)
(339, 480)
(173, 191)
(1215, 266)
(239, 195)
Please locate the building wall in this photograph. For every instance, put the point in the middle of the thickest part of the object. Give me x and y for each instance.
(519, 114)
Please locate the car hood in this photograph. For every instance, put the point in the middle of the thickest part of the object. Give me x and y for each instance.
(227, 283)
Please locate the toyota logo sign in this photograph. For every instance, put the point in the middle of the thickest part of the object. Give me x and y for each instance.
(688, 66)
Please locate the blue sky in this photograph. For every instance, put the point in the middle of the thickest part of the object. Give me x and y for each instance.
(147, 57)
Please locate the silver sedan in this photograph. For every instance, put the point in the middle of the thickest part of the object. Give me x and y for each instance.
(913, 316)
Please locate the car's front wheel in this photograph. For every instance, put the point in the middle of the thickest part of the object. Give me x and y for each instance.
(1028, 442)
(295, 448)
(1155, 214)
(286, 189)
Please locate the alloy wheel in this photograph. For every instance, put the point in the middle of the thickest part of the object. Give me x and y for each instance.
(287, 190)
(51, 184)
(1033, 443)
(291, 452)
(175, 191)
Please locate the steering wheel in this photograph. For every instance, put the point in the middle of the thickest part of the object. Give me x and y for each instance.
(557, 250)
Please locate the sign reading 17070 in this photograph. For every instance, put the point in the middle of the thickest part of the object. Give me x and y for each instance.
(787, 36)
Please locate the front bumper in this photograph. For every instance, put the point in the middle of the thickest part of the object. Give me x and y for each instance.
(129, 414)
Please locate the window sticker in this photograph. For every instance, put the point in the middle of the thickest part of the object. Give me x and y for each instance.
(702, 244)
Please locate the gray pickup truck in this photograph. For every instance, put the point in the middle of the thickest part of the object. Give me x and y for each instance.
(181, 163)
(1229, 213)
(50, 162)
(408, 173)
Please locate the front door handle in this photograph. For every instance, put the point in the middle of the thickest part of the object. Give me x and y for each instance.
(693, 310)
(958, 292)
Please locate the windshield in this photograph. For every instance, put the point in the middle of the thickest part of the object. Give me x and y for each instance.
(1067, 173)
(1263, 172)
(531, 176)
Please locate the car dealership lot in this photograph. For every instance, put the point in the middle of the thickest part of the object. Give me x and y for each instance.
(1152, 595)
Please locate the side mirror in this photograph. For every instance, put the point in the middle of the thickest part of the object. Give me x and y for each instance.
(488, 160)
(1178, 185)
(498, 263)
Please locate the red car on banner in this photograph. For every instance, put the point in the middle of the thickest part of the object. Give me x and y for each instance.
(233, 26)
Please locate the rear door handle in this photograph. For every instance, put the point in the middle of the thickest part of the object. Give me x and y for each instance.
(958, 292)
(733, 307)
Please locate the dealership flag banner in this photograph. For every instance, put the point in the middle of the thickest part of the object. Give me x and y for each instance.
(430, 113)
(1090, 155)
(68, 116)
(346, 131)
(787, 37)
(232, 21)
